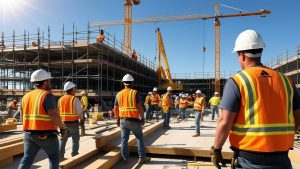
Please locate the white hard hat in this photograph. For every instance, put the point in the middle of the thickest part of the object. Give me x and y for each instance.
(149, 92)
(127, 78)
(40, 75)
(83, 92)
(169, 88)
(198, 92)
(183, 96)
(187, 94)
(216, 93)
(247, 40)
(154, 89)
(68, 86)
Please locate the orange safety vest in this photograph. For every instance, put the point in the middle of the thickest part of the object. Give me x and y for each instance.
(154, 99)
(265, 121)
(166, 102)
(198, 103)
(66, 108)
(35, 116)
(183, 103)
(127, 104)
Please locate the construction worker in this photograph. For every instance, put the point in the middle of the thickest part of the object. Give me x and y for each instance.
(100, 38)
(183, 103)
(260, 111)
(84, 105)
(148, 105)
(155, 99)
(130, 117)
(40, 121)
(167, 104)
(134, 55)
(69, 108)
(214, 105)
(199, 108)
(12, 108)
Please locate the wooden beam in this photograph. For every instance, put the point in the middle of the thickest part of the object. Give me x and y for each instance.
(179, 151)
(6, 162)
(11, 150)
(106, 137)
(11, 140)
(111, 158)
(6, 127)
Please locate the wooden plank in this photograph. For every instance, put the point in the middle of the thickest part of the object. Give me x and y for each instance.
(73, 161)
(7, 127)
(11, 150)
(6, 162)
(103, 139)
(111, 158)
(11, 140)
(179, 151)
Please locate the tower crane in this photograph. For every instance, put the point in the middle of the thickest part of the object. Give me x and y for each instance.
(128, 21)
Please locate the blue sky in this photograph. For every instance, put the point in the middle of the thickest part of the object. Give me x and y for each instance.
(183, 39)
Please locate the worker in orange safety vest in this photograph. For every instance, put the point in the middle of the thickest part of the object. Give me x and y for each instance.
(260, 111)
(70, 111)
(167, 104)
(40, 121)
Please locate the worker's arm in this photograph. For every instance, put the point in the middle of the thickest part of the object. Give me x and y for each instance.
(50, 106)
(297, 119)
(78, 108)
(296, 107)
(203, 105)
(139, 105)
(224, 125)
(116, 108)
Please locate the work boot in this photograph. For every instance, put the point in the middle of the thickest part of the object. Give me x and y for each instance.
(144, 160)
(196, 135)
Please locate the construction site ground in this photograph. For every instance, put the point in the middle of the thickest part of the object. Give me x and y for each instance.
(178, 138)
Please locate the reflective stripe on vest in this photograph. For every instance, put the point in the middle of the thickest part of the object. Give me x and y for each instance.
(127, 103)
(183, 103)
(66, 108)
(197, 103)
(166, 100)
(258, 120)
(154, 99)
(34, 115)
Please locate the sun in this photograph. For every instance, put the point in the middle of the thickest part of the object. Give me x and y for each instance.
(9, 4)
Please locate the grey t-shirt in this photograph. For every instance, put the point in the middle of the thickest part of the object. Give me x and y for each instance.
(49, 102)
(231, 99)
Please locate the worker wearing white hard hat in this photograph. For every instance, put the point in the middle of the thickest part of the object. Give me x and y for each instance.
(37, 103)
(155, 100)
(183, 103)
(214, 105)
(84, 105)
(199, 109)
(129, 113)
(69, 107)
(167, 104)
(250, 98)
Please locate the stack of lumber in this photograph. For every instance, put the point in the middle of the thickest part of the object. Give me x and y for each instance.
(10, 147)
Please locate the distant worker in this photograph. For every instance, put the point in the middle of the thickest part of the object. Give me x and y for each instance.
(148, 106)
(214, 105)
(130, 117)
(155, 100)
(167, 104)
(100, 38)
(12, 108)
(260, 111)
(183, 103)
(134, 55)
(70, 111)
(84, 105)
(199, 108)
(40, 121)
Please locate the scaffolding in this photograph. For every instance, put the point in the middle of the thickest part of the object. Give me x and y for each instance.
(95, 68)
(288, 63)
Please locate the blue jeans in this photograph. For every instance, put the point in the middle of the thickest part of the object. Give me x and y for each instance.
(148, 113)
(215, 109)
(154, 108)
(280, 162)
(166, 119)
(197, 114)
(136, 128)
(72, 131)
(32, 144)
(182, 112)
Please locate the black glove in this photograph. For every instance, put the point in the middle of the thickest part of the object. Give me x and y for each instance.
(217, 158)
(142, 122)
(63, 132)
(118, 122)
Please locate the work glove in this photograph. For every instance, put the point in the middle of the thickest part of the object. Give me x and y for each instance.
(217, 158)
(63, 132)
(142, 122)
(118, 122)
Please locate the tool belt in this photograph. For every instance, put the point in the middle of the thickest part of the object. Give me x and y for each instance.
(43, 134)
(255, 157)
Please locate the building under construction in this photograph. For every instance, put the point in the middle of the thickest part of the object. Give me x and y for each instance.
(289, 64)
(96, 68)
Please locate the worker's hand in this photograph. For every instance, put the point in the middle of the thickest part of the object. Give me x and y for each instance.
(217, 158)
(118, 122)
(142, 122)
(63, 132)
